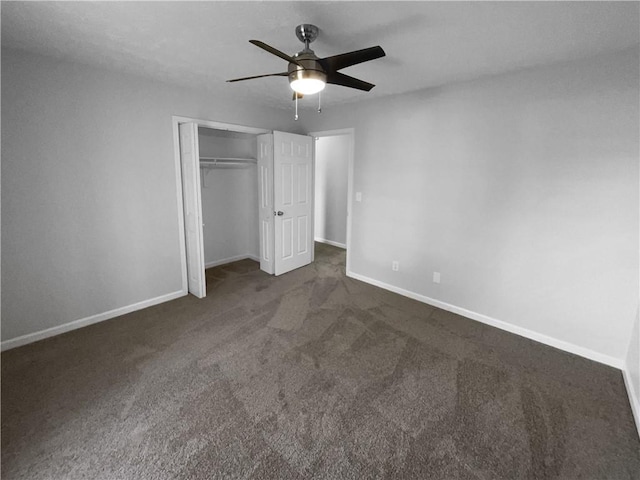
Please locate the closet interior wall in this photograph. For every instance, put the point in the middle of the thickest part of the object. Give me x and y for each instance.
(229, 197)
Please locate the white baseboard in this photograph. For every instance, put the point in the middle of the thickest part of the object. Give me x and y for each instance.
(83, 322)
(523, 332)
(100, 317)
(634, 400)
(331, 242)
(224, 261)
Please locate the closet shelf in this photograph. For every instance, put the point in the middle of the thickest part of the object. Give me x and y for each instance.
(217, 162)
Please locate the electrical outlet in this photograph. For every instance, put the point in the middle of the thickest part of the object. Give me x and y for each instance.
(358, 196)
(395, 265)
(436, 277)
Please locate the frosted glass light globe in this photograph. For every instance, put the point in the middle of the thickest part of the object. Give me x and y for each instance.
(307, 86)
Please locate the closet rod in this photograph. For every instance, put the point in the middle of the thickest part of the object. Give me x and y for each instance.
(217, 162)
(227, 165)
(227, 159)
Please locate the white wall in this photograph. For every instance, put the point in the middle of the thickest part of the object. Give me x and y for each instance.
(229, 199)
(89, 196)
(331, 176)
(520, 189)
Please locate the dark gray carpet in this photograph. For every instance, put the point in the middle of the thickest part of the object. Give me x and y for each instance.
(308, 375)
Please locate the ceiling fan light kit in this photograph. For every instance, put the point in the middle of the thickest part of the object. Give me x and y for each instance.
(309, 74)
(307, 82)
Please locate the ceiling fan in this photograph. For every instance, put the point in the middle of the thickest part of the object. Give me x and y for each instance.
(309, 74)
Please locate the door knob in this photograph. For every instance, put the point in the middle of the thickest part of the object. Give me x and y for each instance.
(279, 213)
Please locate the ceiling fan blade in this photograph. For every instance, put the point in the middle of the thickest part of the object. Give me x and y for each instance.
(275, 52)
(344, 60)
(281, 74)
(296, 94)
(337, 78)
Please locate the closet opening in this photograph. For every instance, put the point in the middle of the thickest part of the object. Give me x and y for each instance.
(229, 192)
(216, 175)
(243, 193)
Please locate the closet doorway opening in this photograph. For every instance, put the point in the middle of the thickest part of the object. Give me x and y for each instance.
(229, 190)
(243, 192)
(333, 173)
(216, 168)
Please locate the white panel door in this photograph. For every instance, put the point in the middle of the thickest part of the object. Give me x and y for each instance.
(293, 201)
(190, 162)
(265, 202)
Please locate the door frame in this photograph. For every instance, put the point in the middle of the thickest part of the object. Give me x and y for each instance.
(350, 132)
(176, 120)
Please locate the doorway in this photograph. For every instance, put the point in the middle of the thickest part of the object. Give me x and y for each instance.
(285, 193)
(229, 192)
(190, 182)
(333, 154)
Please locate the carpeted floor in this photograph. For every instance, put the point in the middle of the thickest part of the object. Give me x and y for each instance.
(308, 375)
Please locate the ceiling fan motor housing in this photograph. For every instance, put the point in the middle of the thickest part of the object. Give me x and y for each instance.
(311, 68)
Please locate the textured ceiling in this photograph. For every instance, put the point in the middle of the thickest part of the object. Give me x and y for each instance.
(201, 44)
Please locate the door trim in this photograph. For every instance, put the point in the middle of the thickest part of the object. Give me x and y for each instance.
(334, 133)
(175, 121)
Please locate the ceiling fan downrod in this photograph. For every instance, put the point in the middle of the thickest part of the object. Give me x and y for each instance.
(307, 33)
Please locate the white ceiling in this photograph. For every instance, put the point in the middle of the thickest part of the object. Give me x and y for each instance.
(201, 44)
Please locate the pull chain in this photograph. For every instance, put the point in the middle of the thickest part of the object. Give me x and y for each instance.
(319, 102)
(296, 116)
